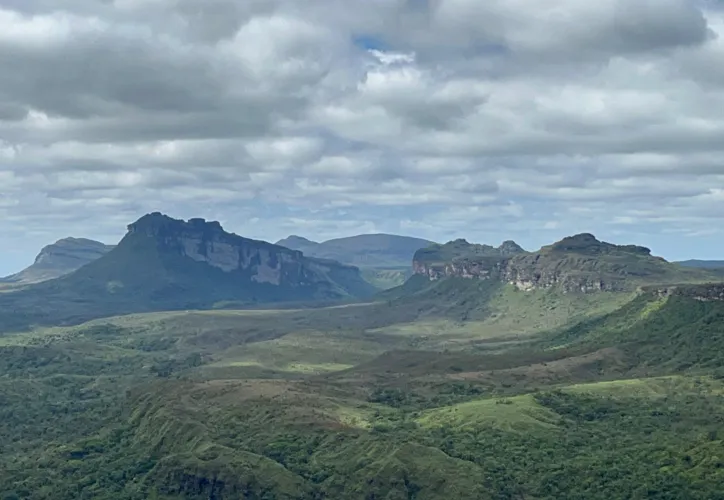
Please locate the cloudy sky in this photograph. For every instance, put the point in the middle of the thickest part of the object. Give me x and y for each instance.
(487, 120)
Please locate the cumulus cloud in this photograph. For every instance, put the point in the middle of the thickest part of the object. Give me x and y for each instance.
(485, 120)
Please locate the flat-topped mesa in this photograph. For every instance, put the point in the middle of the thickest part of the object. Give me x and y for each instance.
(206, 241)
(579, 263)
(164, 264)
(58, 259)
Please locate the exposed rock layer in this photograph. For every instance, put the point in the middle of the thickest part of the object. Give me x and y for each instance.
(578, 263)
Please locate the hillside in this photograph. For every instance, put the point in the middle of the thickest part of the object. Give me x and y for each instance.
(579, 263)
(317, 404)
(164, 263)
(58, 259)
(364, 250)
(663, 330)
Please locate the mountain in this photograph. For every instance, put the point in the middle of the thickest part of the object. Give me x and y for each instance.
(165, 264)
(703, 264)
(299, 243)
(461, 249)
(58, 259)
(364, 250)
(579, 263)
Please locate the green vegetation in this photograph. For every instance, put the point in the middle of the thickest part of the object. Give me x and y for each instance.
(660, 333)
(386, 278)
(463, 388)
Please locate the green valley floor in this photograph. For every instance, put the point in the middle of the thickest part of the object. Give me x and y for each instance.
(533, 395)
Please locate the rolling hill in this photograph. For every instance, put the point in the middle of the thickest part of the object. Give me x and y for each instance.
(288, 404)
(664, 329)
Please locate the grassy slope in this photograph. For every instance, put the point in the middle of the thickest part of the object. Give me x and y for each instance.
(662, 333)
(386, 277)
(232, 403)
(456, 313)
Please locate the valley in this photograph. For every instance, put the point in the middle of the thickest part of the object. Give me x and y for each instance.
(488, 374)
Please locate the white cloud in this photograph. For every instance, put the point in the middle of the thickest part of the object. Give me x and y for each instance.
(484, 120)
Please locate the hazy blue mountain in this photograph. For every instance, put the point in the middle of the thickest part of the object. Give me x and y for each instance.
(58, 259)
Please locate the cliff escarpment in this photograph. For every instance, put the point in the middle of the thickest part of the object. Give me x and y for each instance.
(579, 263)
(258, 261)
(168, 264)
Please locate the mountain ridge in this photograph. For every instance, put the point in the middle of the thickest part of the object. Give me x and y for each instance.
(376, 250)
(59, 258)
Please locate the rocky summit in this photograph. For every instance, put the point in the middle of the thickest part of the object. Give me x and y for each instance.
(259, 262)
(579, 263)
(379, 251)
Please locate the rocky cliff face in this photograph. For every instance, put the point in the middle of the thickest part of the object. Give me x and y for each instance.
(258, 261)
(578, 263)
(60, 258)
(207, 242)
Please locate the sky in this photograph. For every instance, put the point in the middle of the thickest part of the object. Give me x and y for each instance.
(494, 120)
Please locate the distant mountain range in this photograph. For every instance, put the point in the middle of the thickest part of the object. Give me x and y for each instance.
(168, 264)
(58, 259)
(365, 250)
(164, 263)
